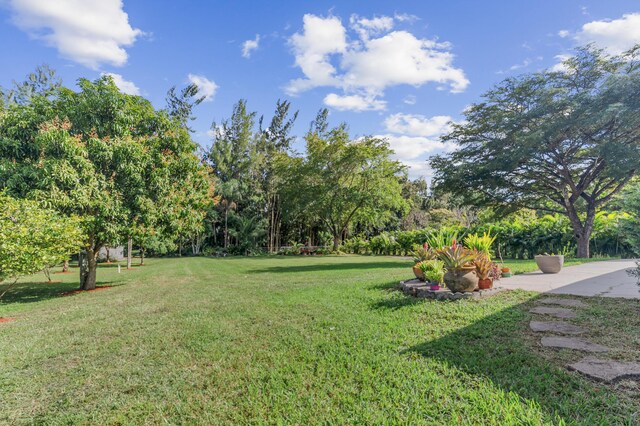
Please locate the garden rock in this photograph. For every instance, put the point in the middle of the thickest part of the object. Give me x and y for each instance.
(562, 302)
(555, 312)
(555, 327)
(572, 343)
(606, 370)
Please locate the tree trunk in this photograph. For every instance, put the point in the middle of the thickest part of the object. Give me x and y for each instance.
(582, 231)
(88, 269)
(141, 255)
(583, 246)
(336, 242)
(65, 266)
(129, 252)
(226, 228)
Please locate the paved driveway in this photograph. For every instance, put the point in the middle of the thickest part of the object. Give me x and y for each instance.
(606, 278)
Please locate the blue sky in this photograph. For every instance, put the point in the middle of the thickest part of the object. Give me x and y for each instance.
(399, 69)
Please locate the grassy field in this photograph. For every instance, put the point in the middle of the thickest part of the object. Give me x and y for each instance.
(315, 340)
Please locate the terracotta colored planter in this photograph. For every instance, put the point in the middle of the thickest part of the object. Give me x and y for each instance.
(550, 264)
(485, 284)
(418, 273)
(506, 270)
(462, 280)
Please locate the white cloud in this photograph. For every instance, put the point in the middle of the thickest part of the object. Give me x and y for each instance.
(411, 147)
(410, 100)
(206, 87)
(354, 103)
(560, 66)
(250, 45)
(125, 86)
(414, 137)
(615, 35)
(366, 66)
(418, 125)
(90, 32)
(563, 33)
(320, 38)
(370, 27)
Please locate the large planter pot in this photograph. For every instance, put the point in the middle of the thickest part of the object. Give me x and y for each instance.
(461, 280)
(418, 273)
(550, 264)
(485, 284)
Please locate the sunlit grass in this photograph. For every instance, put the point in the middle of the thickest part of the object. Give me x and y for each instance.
(307, 340)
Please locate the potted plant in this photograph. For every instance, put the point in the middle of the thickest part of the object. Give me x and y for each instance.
(460, 275)
(550, 263)
(484, 267)
(419, 255)
(433, 272)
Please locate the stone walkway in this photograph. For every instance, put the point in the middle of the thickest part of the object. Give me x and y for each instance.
(606, 278)
(596, 368)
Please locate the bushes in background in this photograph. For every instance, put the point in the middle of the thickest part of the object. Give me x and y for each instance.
(517, 239)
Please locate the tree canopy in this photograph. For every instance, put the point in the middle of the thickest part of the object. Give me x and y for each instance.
(106, 157)
(341, 181)
(559, 141)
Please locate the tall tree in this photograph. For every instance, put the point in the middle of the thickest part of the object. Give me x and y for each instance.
(343, 181)
(563, 142)
(110, 158)
(275, 141)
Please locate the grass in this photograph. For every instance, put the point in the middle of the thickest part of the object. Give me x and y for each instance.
(313, 340)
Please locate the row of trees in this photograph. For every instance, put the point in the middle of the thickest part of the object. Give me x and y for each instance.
(556, 142)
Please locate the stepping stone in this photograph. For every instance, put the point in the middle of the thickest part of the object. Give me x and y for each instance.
(555, 327)
(606, 370)
(555, 312)
(562, 302)
(572, 343)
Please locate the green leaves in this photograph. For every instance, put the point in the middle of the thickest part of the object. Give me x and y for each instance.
(33, 238)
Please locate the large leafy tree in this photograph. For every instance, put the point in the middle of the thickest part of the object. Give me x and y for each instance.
(33, 238)
(343, 181)
(560, 141)
(104, 156)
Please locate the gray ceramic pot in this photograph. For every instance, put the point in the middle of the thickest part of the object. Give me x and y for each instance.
(550, 264)
(461, 280)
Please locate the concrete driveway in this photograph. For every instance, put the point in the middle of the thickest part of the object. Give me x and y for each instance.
(606, 278)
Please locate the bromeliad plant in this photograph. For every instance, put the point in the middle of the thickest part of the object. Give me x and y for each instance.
(456, 257)
(441, 239)
(480, 243)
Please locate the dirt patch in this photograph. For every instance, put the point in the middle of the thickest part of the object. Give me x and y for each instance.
(53, 282)
(7, 319)
(72, 292)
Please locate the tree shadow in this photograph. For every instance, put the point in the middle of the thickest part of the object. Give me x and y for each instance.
(29, 292)
(333, 267)
(396, 303)
(499, 348)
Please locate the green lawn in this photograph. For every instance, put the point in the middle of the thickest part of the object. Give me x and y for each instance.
(305, 340)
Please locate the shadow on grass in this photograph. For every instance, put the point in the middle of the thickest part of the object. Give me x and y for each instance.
(497, 347)
(30, 292)
(365, 266)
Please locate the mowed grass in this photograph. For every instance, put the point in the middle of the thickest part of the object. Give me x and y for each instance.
(305, 340)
